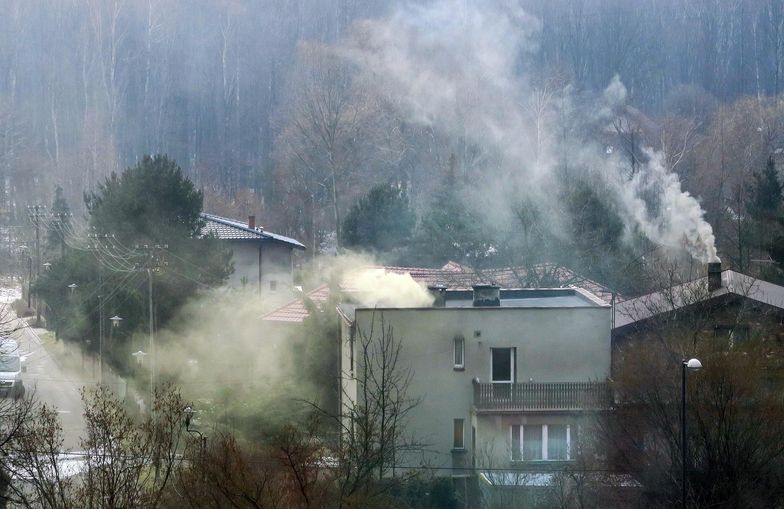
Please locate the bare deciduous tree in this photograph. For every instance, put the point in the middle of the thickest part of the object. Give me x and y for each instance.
(123, 463)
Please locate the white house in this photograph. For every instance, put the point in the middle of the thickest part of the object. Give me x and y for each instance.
(262, 260)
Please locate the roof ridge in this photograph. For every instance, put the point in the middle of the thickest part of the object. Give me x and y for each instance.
(227, 221)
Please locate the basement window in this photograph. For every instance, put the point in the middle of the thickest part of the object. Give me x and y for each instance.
(459, 352)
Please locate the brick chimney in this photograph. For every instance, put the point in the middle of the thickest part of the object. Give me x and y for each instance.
(252, 222)
(714, 276)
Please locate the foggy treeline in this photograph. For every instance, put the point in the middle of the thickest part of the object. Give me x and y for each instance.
(227, 88)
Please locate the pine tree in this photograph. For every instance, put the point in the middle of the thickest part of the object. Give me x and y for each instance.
(381, 221)
(766, 189)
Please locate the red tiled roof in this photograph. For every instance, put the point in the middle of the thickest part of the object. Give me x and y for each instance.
(455, 277)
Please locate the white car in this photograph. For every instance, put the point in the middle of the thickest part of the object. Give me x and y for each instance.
(11, 369)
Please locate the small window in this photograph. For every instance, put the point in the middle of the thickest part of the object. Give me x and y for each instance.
(458, 441)
(273, 285)
(459, 350)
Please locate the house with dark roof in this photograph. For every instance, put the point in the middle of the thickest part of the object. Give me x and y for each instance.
(262, 260)
(724, 304)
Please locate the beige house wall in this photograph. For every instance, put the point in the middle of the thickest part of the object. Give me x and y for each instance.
(276, 267)
(553, 345)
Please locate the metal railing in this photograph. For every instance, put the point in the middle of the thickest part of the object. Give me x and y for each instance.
(542, 396)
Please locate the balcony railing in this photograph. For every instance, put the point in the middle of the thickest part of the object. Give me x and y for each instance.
(563, 396)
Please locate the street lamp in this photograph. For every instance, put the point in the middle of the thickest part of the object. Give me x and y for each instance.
(690, 365)
(139, 356)
(72, 287)
(115, 323)
(189, 411)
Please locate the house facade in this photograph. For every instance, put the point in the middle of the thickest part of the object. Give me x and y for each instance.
(505, 379)
(262, 260)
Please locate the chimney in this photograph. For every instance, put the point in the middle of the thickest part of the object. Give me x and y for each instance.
(487, 295)
(252, 222)
(438, 292)
(714, 276)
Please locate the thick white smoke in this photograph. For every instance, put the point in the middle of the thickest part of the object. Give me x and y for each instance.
(460, 67)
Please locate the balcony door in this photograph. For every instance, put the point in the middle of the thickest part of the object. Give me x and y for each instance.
(502, 371)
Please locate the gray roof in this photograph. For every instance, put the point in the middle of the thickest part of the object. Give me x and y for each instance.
(680, 296)
(231, 229)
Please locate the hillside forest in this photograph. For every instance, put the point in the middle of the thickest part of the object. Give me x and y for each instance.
(278, 109)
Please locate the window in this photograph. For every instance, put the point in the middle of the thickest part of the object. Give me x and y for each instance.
(557, 442)
(458, 441)
(517, 451)
(537, 442)
(502, 365)
(459, 350)
(532, 443)
(273, 285)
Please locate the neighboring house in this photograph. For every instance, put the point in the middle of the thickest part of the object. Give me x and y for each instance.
(262, 260)
(723, 304)
(505, 378)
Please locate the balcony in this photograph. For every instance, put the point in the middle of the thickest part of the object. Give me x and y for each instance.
(559, 396)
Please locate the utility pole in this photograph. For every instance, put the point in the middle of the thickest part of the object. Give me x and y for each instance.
(96, 247)
(153, 263)
(152, 334)
(35, 215)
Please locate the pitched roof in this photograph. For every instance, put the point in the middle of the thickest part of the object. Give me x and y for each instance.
(231, 229)
(455, 277)
(686, 294)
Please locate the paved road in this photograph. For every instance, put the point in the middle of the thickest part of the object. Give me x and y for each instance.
(52, 385)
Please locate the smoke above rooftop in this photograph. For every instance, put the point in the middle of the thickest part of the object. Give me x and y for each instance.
(460, 67)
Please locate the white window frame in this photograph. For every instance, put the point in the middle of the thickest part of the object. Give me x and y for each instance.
(458, 342)
(545, 440)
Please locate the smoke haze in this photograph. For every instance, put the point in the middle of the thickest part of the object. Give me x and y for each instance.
(461, 68)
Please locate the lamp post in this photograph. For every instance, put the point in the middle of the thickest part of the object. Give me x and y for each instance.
(115, 323)
(690, 365)
(139, 356)
(189, 411)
